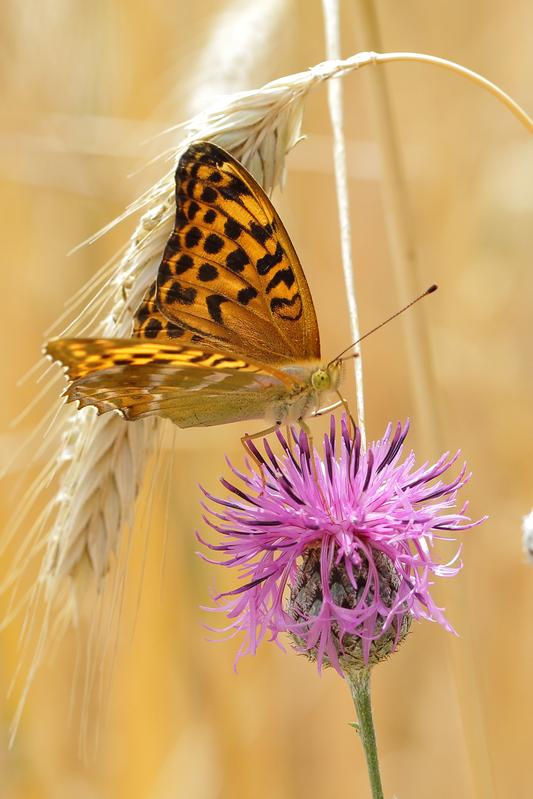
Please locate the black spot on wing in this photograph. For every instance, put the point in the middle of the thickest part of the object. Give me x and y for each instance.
(183, 296)
(192, 237)
(181, 219)
(244, 296)
(237, 260)
(174, 331)
(213, 244)
(173, 244)
(153, 327)
(143, 313)
(183, 264)
(160, 358)
(213, 302)
(197, 358)
(192, 210)
(232, 229)
(261, 233)
(209, 194)
(210, 216)
(215, 176)
(268, 261)
(287, 309)
(164, 274)
(282, 276)
(235, 189)
(181, 172)
(207, 272)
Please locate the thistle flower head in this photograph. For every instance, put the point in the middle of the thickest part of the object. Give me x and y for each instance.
(338, 555)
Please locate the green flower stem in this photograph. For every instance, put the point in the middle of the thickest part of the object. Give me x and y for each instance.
(359, 682)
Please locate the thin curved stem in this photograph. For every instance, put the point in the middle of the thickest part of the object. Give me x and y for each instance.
(475, 77)
(329, 70)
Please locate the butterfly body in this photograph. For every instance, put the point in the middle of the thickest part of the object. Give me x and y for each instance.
(316, 386)
(228, 331)
(192, 388)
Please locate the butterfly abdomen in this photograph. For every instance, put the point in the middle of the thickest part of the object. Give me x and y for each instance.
(301, 401)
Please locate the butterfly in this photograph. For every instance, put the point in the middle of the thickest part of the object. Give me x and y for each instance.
(228, 331)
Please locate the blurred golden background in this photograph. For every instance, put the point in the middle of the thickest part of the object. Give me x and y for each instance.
(85, 88)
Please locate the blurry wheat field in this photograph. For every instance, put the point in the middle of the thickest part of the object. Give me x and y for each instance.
(85, 88)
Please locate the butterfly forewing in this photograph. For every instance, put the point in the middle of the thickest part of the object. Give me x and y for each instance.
(150, 323)
(229, 272)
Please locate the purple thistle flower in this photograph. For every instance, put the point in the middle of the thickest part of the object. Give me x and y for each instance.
(338, 557)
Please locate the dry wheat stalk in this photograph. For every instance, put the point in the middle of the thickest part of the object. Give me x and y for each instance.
(100, 461)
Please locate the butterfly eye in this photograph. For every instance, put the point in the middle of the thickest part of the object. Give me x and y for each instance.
(320, 380)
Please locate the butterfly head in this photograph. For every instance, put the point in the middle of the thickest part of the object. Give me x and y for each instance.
(328, 377)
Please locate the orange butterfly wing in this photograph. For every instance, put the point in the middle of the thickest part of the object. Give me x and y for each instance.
(144, 378)
(230, 303)
(150, 323)
(229, 273)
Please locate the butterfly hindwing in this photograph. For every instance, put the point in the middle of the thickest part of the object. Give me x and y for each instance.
(84, 356)
(141, 378)
(229, 273)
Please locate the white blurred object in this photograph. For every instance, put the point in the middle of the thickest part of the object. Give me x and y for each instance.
(527, 535)
(241, 36)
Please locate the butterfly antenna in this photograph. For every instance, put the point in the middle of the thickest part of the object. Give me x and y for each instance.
(430, 290)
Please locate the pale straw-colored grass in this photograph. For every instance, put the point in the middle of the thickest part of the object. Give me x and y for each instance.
(98, 467)
(332, 22)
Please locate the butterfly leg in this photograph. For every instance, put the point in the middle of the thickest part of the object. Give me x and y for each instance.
(247, 437)
(328, 408)
(344, 403)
